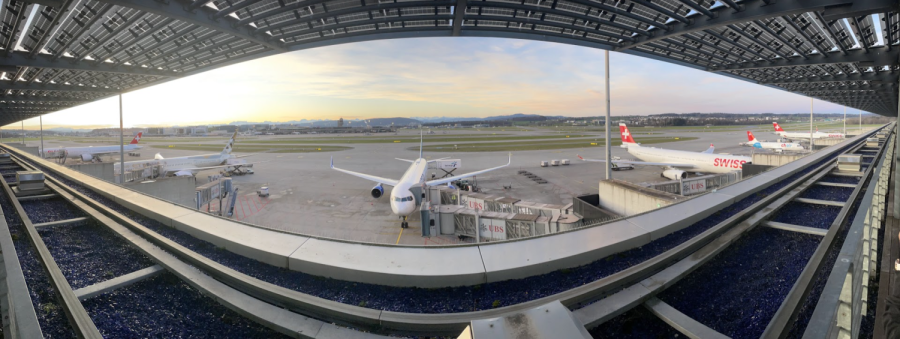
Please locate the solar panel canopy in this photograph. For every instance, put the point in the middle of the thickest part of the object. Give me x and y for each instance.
(56, 54)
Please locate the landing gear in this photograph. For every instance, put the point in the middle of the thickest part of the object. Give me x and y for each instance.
(404, 224)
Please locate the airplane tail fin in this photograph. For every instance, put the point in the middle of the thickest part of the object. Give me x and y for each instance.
(137, 138)
(627, 139)
(777, 128)
(230, 145)
(421, 143)
(750, 137)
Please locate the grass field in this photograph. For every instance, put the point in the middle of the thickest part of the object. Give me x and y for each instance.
(255, 149)
(536, 146)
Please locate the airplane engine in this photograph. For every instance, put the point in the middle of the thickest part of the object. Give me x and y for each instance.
(87, 157)
(674, 174)
(377, 191)
(184, 173)
(450, 186)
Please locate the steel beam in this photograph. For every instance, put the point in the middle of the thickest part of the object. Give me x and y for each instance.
(9, 85)
(459, 16)
(353, 10)
(21, 59)
(60, 13)
(753, 10)
(84, 28)
(883, 77)
(877, 56)
(175, 10)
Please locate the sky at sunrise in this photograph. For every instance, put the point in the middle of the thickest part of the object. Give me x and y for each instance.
(454, 77)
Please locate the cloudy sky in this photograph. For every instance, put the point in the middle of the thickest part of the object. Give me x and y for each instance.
(455, 77)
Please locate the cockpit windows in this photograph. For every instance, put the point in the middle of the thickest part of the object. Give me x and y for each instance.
(403, 199)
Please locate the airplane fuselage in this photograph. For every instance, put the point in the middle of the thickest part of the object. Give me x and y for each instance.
(816, 135)
(179, 163)
(702, 162)
(402, 200)
(76, 152)
(786, 146)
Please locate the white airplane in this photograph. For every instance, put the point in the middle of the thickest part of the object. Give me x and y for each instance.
(777, 146)
(91, 152)
(189, 165)
(402, 201)
(804, 135)
(676, 163)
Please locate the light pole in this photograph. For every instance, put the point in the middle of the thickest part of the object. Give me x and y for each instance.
(608, 150)
(811, 124)
(121, 144)
(41, 119)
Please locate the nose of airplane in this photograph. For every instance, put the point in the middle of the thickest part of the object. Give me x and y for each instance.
(406, 207)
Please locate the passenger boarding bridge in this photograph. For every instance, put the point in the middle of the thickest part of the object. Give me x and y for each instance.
(82, 257)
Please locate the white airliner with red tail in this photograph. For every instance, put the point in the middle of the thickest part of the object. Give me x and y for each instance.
(677, 163)
(804, 135)
(778, 146)
(90, 152)
(403, 203)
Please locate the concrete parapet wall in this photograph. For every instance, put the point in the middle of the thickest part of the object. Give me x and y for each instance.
(102, 171)
(435, 266)
(774, 159)
(624, 198)
(179, 190)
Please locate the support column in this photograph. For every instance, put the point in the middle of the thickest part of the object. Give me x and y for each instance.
(607, 123)
(811, 141)
(121, 144)
(845, 121)
(896, 164)
(23, 133)
(41, 119)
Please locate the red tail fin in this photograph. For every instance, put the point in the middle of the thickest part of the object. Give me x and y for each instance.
(750, 136)
(626, 135)
(137, 138)
(777, 128)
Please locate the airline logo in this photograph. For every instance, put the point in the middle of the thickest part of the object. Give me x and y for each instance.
(730, 163)
(777, 128)
(757, 145)
(137, 138)
(750, 136)
(626, 136)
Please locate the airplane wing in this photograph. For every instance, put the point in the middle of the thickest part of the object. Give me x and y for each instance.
(407, 160)
(439, 159)
(630, 162)
(466, 175)
(386, 181)
(710, 149)
(198, 169)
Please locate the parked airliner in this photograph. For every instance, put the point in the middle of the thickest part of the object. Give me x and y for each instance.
(91, 152)
(189, 165)
(777, 146)
(676, 163)
(804, 135)
(403, 203)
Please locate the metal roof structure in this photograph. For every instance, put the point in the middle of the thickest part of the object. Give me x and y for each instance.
(56, 54)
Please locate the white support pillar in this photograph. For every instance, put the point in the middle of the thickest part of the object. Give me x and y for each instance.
(811, 143)
(23, 133)
(845, 121)
(41, 119)
(121, 144)
(608, 146)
